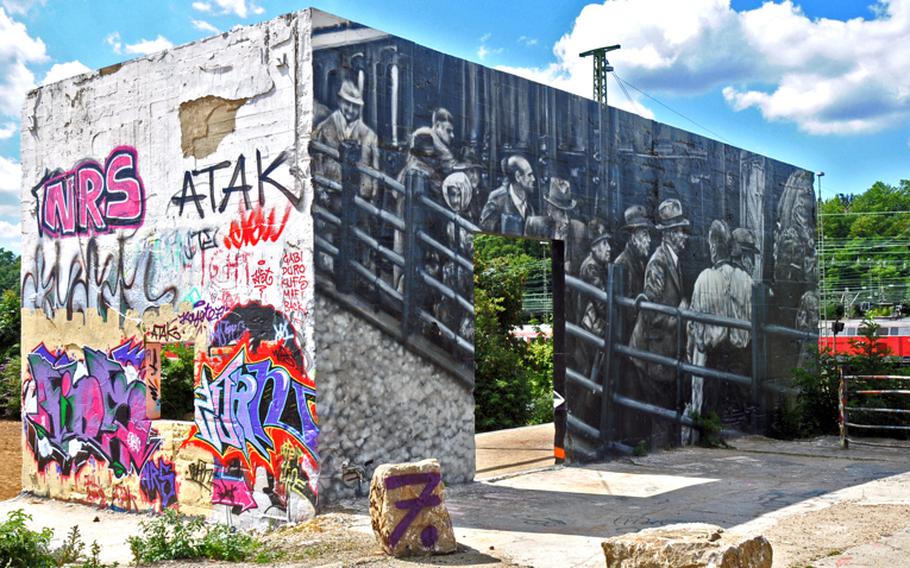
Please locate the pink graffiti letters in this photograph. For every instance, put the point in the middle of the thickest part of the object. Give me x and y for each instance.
(229, 487)
(425, 500)
(95, 408)
(92, 200)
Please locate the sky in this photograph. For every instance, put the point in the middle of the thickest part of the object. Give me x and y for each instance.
(821, 84)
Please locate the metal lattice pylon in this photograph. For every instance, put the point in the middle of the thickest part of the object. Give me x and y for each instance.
(601, 68)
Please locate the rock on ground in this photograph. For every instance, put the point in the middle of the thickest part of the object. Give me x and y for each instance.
(408, 511)
(692, 545)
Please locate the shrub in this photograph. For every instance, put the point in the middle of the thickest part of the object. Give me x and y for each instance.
(176, 381)
(11, 385)
(21, 547)
(172, 536)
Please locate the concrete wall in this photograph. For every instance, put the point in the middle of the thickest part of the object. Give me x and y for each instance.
(163, 202)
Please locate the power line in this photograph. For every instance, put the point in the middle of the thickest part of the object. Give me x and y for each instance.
(674, 111)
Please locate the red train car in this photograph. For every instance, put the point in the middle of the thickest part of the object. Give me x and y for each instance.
(894, 333)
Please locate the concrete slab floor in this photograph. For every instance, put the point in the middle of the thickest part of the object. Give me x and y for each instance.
(559, 516)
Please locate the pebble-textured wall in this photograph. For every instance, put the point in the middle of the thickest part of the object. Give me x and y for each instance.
(380, 403)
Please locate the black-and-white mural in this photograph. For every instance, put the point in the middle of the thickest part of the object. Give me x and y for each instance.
(689, 264)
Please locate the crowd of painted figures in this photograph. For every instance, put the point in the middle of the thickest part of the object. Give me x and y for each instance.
(654, 243)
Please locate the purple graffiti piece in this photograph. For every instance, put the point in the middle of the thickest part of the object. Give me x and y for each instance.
(228, 333)
(52, 358)
(129, 354)
(102, 410)
(158, 482)
(229, 407)
(425, 500)
(429, 536)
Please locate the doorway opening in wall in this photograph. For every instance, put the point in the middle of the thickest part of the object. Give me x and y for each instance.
(514, 353)
(175, 383)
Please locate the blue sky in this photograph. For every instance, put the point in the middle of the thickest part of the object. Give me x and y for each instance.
(821, 84)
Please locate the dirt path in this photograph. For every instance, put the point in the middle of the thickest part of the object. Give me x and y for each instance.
(10, 458)
(514, 450)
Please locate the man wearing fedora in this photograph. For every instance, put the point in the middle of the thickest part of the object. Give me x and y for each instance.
(594, 314)
(655, 332)
(633, 259)
(346, 124)
(557, 223)
(509, 205)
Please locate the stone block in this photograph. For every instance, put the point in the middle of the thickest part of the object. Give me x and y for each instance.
(693, 545)
(407, 508)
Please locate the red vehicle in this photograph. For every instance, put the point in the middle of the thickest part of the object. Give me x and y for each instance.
(895, 333)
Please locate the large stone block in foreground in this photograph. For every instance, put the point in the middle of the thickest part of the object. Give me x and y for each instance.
(408, 510)
(693, 545)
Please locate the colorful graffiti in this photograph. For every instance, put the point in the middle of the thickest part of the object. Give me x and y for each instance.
(77, 410)
(253, 404)
(229, 487)
(158, 482)
(92, 199)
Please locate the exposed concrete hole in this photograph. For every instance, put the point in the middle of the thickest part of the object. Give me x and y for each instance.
(205, 122)
(110, 69)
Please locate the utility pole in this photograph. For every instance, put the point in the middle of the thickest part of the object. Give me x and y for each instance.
(601, 68)
(820, 222)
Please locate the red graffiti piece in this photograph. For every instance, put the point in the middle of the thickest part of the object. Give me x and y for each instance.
(255, 227)
(94, 493)
(122, 499)
(92, 199)
(263, 277)
(294, 282)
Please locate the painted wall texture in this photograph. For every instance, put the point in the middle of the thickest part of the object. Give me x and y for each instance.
(209, 195)
(162, 204)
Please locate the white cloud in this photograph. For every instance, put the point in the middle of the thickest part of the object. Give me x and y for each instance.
(21, 7)
(240, 8)
(483, 50)
(60, 71)
(202, 6)
(827, 76)
(113, 40)
(17, 51)
(10, 230)
(486, 37)
(7, 130)
(148, 46)
(10, 176)
(527, 41)
(204, 26)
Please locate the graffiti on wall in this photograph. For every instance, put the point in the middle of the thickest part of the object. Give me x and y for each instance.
(251, 405)
(92, 278)
(92, 199)
(89, 408)
(158, 482)
(193, 197)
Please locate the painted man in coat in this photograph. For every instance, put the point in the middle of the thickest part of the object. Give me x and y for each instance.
(558, 224)
(655, 332)
(633, 260)
(509, 205)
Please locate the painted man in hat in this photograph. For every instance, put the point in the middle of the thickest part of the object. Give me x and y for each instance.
(509, 205)
(557, 223)
(655, 332)
(594, 313)
(634, 258)
(342, 125)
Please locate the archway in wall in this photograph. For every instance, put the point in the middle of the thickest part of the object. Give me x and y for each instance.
(516, 329)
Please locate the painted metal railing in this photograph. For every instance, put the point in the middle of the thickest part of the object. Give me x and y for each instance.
(398, 300)
(845, 407)
(604, 435)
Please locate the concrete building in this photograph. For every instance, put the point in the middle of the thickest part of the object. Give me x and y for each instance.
(296, 201)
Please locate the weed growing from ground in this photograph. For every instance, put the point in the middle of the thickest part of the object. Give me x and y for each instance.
(21, 547)
(172, 536)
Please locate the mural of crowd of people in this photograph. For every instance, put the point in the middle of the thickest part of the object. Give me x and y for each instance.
(693, 223)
